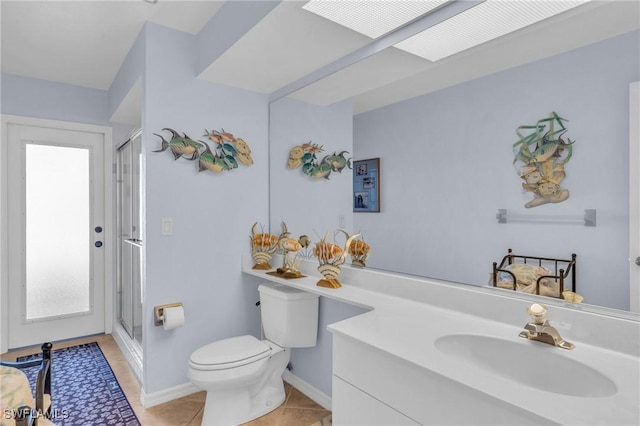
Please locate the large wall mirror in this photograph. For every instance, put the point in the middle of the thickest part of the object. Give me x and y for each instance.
(444, 131)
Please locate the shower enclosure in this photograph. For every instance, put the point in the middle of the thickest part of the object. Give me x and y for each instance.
(129, 247)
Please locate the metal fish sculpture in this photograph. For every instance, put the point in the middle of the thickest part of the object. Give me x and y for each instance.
(540, 155)
(544, 152)
(305, 156)
(231, 149)
(210, 161)
(295, 157)
(180, 145)
(244, 152)
(227, 153)
(321, 171)
(227, 136)
(214, 135)
(338, 161)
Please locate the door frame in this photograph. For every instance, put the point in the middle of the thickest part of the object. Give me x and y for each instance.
(108, 214)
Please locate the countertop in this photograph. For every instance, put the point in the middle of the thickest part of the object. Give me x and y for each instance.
(422, 323)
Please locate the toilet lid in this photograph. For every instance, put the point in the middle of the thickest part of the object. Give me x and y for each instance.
(229, 353)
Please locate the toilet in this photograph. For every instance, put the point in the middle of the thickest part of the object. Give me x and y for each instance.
(243, 375)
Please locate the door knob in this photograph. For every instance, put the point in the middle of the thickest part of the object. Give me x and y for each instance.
(638, 260)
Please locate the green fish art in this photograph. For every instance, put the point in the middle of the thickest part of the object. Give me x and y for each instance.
(540, 156)
(212, 162)
(321, 171)
(338, 161)
(180, 145)
(304, 156)
(228, 150)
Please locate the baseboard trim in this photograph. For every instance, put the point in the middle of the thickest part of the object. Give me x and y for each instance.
(166, 395)
(156, 398)
(311, 391)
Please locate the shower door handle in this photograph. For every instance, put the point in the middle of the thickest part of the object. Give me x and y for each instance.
(134, 242)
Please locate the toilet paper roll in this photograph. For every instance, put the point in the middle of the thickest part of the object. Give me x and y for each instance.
(173, 317)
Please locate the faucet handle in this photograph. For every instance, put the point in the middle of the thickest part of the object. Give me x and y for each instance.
(538, 313)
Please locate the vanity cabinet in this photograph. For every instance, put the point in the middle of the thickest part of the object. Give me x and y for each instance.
(352, 406)
(373, 387)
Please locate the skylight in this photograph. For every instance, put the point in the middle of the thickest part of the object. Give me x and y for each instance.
(372, 18)
(484, 22)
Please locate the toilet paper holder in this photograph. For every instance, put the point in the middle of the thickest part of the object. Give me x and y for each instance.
(158, 312)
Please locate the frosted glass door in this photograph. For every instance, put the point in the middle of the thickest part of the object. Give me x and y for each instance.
(58, 276)
(56, 233)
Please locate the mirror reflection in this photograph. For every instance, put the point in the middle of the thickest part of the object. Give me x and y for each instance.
(444, 133)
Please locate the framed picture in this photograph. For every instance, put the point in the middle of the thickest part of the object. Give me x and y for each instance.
(366, 186)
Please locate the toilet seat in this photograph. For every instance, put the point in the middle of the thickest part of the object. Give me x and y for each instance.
(229, 353)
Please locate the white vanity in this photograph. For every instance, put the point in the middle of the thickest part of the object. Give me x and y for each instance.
(430, 352)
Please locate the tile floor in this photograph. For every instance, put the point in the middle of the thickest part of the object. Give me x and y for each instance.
(297, 410)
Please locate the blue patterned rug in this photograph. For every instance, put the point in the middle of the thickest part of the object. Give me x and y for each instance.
(84, 390)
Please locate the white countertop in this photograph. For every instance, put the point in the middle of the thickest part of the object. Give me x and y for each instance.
(422, 323)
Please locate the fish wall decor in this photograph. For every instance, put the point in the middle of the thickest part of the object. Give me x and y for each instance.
(228, 150)
(540, 156)
(306, 156)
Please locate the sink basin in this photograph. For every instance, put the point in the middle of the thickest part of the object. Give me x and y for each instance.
(533, 364)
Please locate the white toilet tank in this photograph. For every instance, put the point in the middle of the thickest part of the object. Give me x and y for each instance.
(289, 315)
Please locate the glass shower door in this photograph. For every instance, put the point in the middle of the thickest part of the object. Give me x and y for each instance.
(130, 295)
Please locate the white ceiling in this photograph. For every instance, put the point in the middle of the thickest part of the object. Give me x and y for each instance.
(85, 42)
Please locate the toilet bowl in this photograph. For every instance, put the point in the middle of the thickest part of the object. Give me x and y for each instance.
(243, 375)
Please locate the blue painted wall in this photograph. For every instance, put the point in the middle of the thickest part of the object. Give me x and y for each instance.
(308, 205)
(212, 213)
(312, 207)
(315, 365)
(31, 97)
(228, 25)
(132, 69)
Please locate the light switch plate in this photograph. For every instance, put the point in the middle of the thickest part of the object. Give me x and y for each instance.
(167, 226)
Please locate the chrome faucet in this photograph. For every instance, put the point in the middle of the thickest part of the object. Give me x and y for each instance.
(540, 330)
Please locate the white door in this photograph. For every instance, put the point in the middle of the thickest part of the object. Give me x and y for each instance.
(56, 233)
(634, 196)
